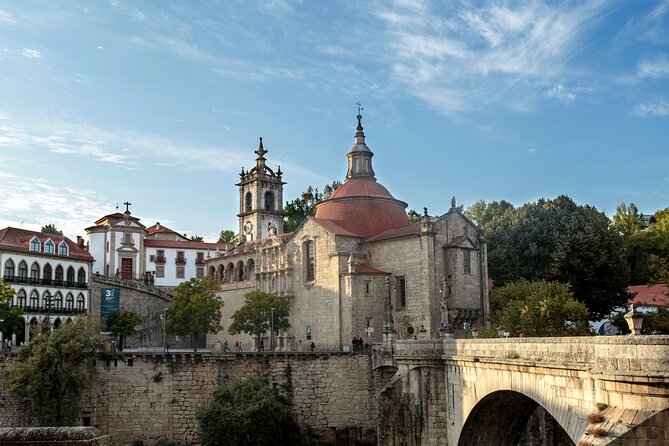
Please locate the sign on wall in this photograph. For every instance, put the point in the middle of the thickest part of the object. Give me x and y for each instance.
(110, 300)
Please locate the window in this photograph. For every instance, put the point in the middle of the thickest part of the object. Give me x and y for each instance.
(199, 257)
(35, 245)
(34, 273)
(368, 287)
(181, 257)
(23, 271)
(81, 303)
(199, 273)
(269, 201)
(127, 239)
(62, 249)
(467, 263)
(58, 301)
(81, 277)
(212, 272)
(9, 270)
(160, 271)
(59, 275)
(46, 276)
(180, 272)
(49, 247)
(70, 276)
(46, 301)
(309, 261)
(34, 300)
(401, 293)
(21, 299)
(69, 302)
(240, 271)
(248, 201)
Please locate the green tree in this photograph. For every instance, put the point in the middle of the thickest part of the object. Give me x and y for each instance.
(11, 318)
(51, 229)
(122, 324)
(255, 316)
(484, 214)
(627, 219)
(247, 413)
(659, 269)
(195, 309)
(558, 240)
(644, 249)
(538, 309)
(55, 369)
(196, 238)
(299, 209)
(227, 236)
(414, 217)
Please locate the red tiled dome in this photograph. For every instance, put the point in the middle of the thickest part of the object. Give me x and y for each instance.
(364, 207)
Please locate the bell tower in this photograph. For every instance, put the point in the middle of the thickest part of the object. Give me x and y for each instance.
(260, 200)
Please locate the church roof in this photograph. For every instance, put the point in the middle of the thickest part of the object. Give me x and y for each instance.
(649, 295)
(18, 240)
(363, 268)
(332, 227)
(412, 229)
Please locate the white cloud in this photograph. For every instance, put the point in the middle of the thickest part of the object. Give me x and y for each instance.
(561, 94)
(653, 68)
(502, 53)
(657, 107)
(6, 17)
(31, 53)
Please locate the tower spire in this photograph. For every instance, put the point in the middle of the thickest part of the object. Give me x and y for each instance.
(360, 157)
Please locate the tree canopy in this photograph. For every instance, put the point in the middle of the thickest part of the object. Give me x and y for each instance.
(646, 251)
(484, 214)
(196, 238)
(558, 240)
(51, 229)
(300, 208)
(627, 219)
(122, 323)
(247, 413)
(538, 309)
(55, 369)
(11, 318)
(254, 317)
(227, 236)
(195, 308)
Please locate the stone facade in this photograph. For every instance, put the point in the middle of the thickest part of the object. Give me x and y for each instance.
(332, 268)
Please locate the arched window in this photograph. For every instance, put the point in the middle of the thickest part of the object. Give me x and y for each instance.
(23, 272)
(249, 202)
(21, 300)
(34, 273)
(59, 276)
(221, 273)
(62, 249)
(69, 302)
(9, 270)
(46, 275)
(269, 201)
(250, 269)
(34, 300)
(49, 248)
(70, 276)
(212, 272)
(81, 277)
(309, 262)
(240, 270)
(57, 324)
(230, 272)
(46, 301)
(35, 245)
(58, 301)
(81, 303)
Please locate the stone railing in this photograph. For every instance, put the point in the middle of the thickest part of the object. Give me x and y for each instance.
(134, 284)
(419, 347)
(620, 353)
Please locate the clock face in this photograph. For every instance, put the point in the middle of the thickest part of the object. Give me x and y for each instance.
(248, 227)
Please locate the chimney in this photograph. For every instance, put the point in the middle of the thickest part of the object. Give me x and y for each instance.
(80, 242)
(158, 226)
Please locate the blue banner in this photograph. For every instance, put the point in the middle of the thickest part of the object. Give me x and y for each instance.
(110, 300)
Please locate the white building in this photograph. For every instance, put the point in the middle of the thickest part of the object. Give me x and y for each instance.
(124, 248)
(50, 275)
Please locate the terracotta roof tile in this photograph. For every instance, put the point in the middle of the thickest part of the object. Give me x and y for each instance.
(650, 295)
(412, 229)
(18, 240)
(332, 227)
(363, 268)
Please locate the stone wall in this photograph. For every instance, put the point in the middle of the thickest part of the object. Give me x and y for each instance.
(153, 396)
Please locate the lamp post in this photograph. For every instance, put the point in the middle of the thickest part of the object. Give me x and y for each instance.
(271, 339)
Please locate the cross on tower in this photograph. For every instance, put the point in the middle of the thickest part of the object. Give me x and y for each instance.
(127, 205)
(359, 107)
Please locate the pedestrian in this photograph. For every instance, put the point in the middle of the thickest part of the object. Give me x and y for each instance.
(354, 343)
(226, 347)
(299, 345)
(261, 346)
(237, 349)
(313, 346)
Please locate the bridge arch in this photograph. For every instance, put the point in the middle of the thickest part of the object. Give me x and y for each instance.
(501, 419)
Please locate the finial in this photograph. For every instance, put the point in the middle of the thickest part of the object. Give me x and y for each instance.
(261, 151)
(127, 205)
(425, 212)
(278, 172)
(360, 109)
(242, 173)
(453, 206)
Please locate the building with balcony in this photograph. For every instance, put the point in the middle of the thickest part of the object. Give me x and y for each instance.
(50, 275)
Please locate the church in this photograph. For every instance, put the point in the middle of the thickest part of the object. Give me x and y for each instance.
(333, 269)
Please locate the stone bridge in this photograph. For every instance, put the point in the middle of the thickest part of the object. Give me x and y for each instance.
(586, 391)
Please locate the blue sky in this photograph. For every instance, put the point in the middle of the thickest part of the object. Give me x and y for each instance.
(162, 103)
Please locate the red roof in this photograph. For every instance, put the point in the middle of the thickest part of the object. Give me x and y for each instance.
(186, 244)
(332, 227)
(649, 295)
(18, 240)
(160, 229)
(412, 229)
(363, 207)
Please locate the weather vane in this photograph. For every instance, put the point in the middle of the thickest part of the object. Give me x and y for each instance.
(359, 107)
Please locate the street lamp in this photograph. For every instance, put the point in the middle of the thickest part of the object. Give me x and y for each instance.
(271, 339)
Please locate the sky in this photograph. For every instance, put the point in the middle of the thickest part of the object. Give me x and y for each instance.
(161, 104)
